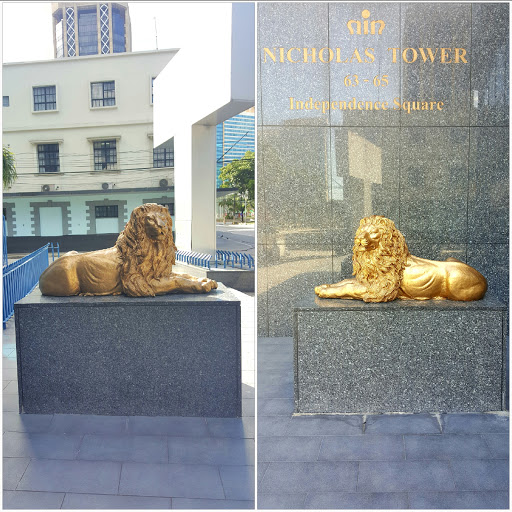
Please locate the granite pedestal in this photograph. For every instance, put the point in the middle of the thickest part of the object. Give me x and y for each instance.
(173, 355)
(401, 356)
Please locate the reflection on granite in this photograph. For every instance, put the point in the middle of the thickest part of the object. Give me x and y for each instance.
(262, 291)
(443, 184)
(492, 260)
(292, 274)
(488, 198)
(297, 205)
(283, 25)
(339, 37)
(490, 64)
(433, 184)
(436, 25)
(365, 166)
(261, 224)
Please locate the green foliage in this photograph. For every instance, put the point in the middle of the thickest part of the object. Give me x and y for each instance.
(9, 174)
(240, 174)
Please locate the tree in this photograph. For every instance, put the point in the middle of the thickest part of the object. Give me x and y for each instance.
(240, 174)
(9, 174)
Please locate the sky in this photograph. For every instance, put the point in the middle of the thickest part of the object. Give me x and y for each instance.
(27, 26)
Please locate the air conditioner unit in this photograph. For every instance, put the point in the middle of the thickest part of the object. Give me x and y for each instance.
(107, 186)
(163, 183)
(48, 188)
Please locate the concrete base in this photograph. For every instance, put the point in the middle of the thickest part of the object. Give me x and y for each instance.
(174, 355)
(239, 279)
(402, 356)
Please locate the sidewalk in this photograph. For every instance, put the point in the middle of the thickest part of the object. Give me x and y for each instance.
(106, 462)
(402, 461)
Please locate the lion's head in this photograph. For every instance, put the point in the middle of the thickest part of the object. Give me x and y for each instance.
(379, 257)
(147, 248)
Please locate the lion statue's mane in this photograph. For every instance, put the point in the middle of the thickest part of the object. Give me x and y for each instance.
(380, 270)
(144, 259)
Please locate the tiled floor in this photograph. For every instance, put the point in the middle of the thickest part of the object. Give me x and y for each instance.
(376, 461)
(112, 462)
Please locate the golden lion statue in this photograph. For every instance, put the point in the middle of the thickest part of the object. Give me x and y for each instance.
(385, 270)
(139, 265)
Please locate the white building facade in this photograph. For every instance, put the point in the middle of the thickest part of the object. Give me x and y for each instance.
(81, 131)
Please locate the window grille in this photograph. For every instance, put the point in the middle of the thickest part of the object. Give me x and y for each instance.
(163, 157)
(48, 157)
(103, 94)
(106, 211)
(105, 155)
(45, 98)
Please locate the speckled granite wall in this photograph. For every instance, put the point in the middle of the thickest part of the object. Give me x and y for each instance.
(441, 175)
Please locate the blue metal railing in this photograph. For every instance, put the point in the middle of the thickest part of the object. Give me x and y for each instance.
(21, 277)
(223, 259)
(194, 258)
(233, 258)
(4, 247)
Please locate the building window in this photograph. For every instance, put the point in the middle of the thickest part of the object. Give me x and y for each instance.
(87, 31)
(103, 212)
(118, 38)
(105, 155)
(169, 206)
(103, 94)
(48, 157)
(45, 98)
(163, 157)
(152, 83)
(5, 101)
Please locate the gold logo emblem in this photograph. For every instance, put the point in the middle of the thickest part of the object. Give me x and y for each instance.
(368, 27)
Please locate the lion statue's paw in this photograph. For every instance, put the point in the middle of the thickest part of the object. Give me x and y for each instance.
(208, 285)
(321, 289)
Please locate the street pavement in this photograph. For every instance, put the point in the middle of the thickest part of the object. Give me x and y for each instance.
(355, 461)
(236, 237)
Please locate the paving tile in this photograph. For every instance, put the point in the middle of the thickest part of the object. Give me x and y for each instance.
(171, 480)
(378, 476)
(106, 502)
(362, 448)
(167, 426)
(356, 500)
(9, 363)
(446, 446)
(10, 387)
(88, 424)
(487, 500)
(337, 425)
(262, 467)
(231, 427)
(13, 470)
(248, 407)
(402, 424)
(247, 391)
(480, 475)
(281, 501)
(275, 406)
(81, 476)
(10, 374)
(211, 450)
(475, 423)
(124, 448)
(290, 477)
(275, 384)
(498, 444)
(32, 500)
(41, 446)
(288, 449)
(238, 482)
(14, 422)
(10, 403)
(198, 504)
(273, 425)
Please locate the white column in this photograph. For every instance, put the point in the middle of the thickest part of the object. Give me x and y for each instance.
(195, 188)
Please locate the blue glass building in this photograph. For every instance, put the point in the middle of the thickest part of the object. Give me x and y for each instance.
(234, 138)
